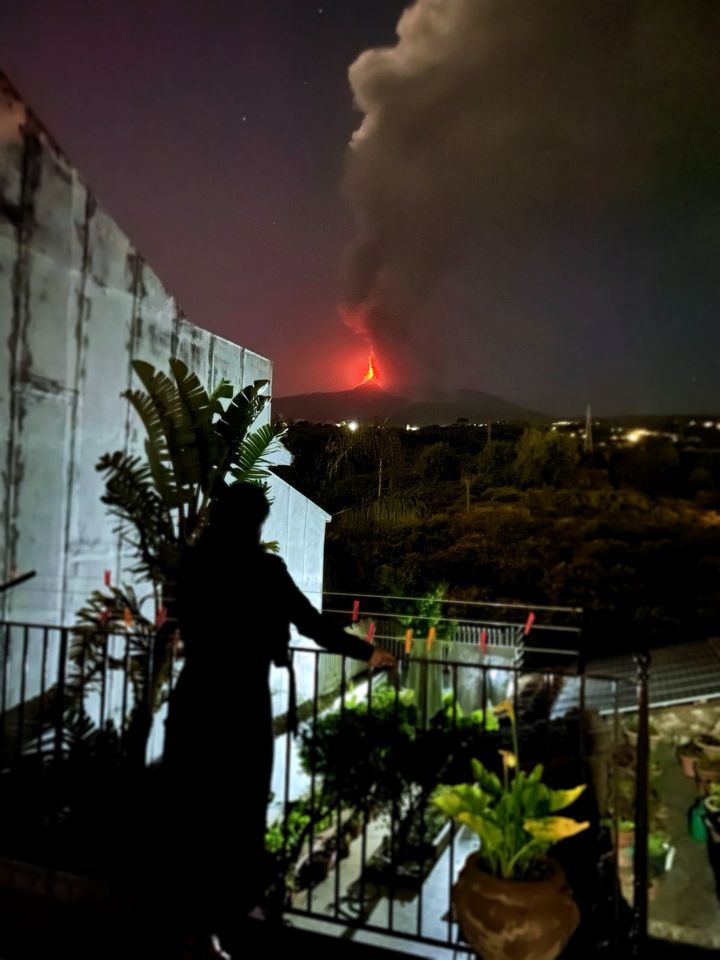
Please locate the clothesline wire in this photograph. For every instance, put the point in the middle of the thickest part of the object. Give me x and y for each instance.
(468, 603)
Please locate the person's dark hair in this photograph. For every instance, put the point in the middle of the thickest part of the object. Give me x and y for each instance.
(243, 507)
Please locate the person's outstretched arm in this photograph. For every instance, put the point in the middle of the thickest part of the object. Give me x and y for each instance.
(320, 628)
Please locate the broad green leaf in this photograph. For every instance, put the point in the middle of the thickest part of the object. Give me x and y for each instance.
(559, 799)
(489, 832)
(552, 829)
(489, 781)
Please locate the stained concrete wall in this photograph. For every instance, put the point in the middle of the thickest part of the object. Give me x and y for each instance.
(77, 304)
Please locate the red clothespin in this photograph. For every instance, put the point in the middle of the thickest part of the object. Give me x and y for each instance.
(529, 622)
(160, 616)
(127, 617)
(355, 610)
(430, 638)
(483, 642)
(408, 641)
(107, 577)
(371, 632)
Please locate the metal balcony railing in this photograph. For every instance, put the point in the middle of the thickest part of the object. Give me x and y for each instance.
(354, 843)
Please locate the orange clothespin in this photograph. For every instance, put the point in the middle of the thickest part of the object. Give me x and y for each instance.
(128, 617)
(408, 641)
(529, 622)
(430, 638)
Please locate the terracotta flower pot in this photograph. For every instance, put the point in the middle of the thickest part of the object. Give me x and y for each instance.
(514, 919)
(688, 762)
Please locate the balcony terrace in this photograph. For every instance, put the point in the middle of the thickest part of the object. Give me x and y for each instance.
(81, 857)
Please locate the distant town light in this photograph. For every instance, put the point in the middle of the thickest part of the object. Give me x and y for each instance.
(708, 424)
(634, 436)
(353, 425)
(411, 427)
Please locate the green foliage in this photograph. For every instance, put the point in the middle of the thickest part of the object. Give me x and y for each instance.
(193, 445)
(545, 458)
(478, 718)
(514, 820)
(629, 533)
(287, 836)
(376, 754)
(113, 634)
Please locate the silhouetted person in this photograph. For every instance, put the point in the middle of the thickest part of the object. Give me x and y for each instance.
(236, 603)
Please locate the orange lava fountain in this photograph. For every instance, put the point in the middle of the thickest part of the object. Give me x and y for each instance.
(371, 371)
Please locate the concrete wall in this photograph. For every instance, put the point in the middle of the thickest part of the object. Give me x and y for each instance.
(77, 304)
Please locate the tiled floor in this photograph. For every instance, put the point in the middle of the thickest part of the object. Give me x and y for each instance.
(684, 907)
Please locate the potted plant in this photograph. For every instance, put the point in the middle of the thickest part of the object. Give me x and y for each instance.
(630, 727)
(710, 746)
(661, 853)
(688, 755)
(511, 899)
(707, 772)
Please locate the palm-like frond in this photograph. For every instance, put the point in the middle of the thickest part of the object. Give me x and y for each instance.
(156, 447)
(169, 416)
(199, 409)
(145, 520)
(252, 455)
(241, 412)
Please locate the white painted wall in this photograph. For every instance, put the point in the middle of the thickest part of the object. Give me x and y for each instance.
(77, 304)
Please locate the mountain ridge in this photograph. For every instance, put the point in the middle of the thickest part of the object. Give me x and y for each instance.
(370, 402)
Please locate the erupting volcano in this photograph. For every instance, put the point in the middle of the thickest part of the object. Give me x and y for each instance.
(372, 372)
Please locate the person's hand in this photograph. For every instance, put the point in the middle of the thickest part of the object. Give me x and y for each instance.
(381, 658)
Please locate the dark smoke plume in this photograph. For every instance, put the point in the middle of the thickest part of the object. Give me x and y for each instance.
(492, 121)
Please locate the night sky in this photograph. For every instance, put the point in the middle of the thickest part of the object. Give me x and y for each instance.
(532, 210)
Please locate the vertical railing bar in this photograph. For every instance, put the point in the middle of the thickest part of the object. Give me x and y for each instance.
(3, 692)
(421, 865)
(103, 680)
(172, 642)
(150, 675)
(615, 812)
(366, 813)
(43, 679)
(548, 687)
(291, 706)
(395, 809)
(640, 857)
(484, 699)
(516, 705)
(125, 686)
(338, 821)
(60, 707)
(23, 693)
(582, 711)
(317, 655)
(451, 860)
(81, 686)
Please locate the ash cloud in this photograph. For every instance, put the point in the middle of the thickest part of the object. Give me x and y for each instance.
(494, 125)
